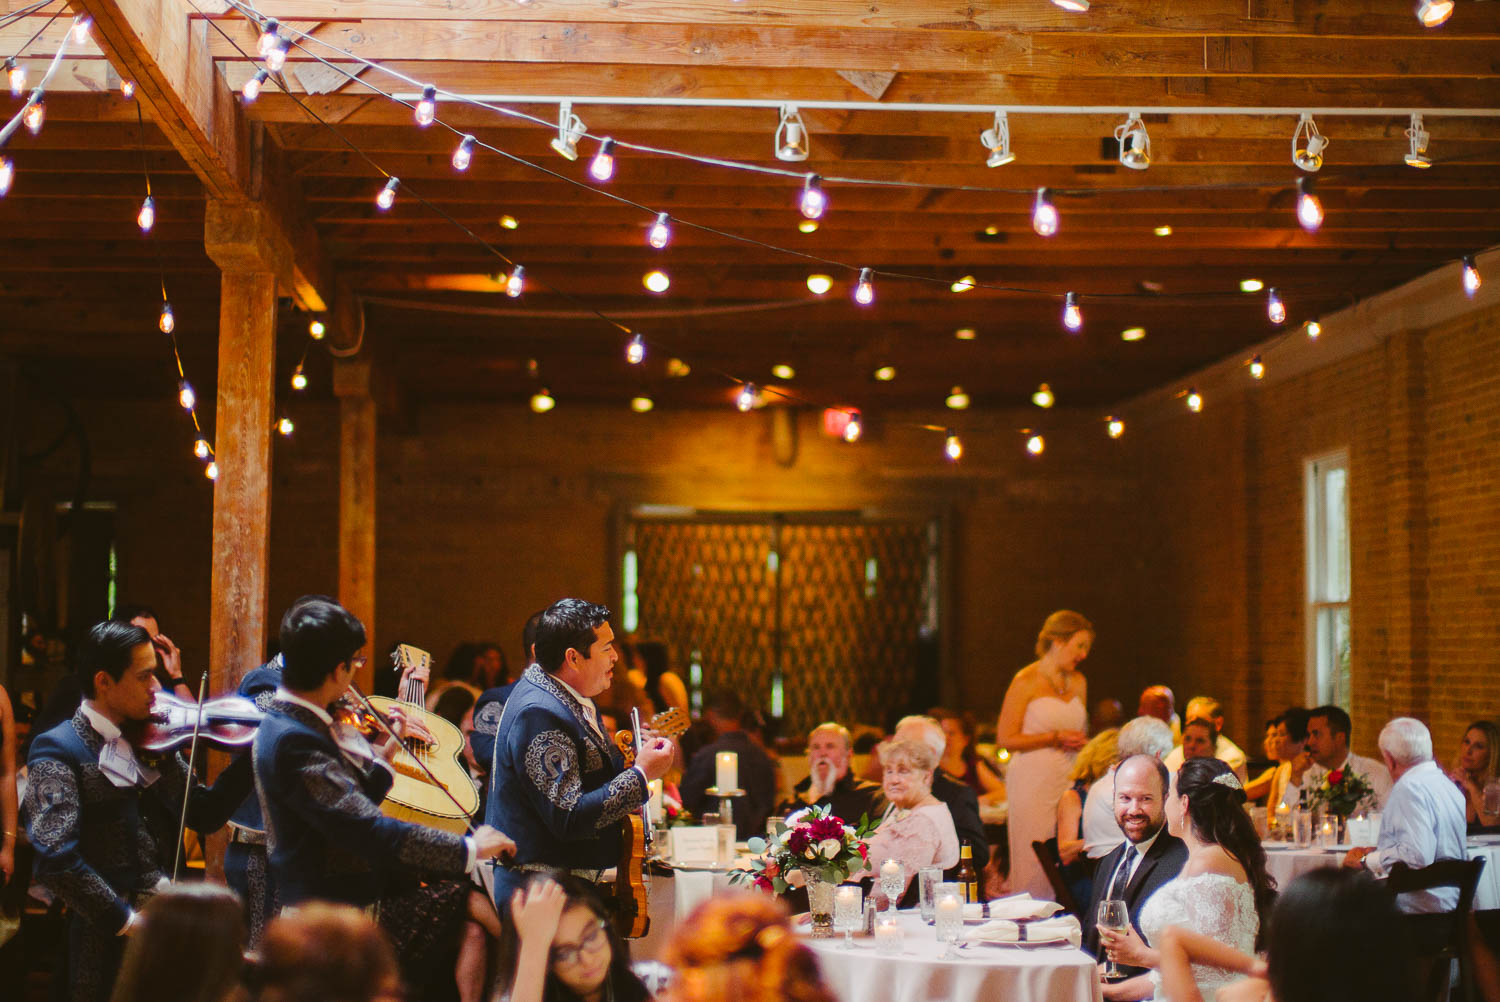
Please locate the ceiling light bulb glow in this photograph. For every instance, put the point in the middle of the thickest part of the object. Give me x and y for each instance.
(1309, 206)
(885, 373)
(1257, 368)
(677, 368)
(1114, 427)
(15, 75)
(1251, 285)
(1043, 397)
(661, 231)
(1044, 215)
(602, 167)
(819, 285)
(253, 86)
(542, 401)
(963, 284)
(7, 174)
(1036, 445)
(1313, 329)
(864, 290)
(1133, 334)
(953, 449)
(426, 110)
(1471, 279)
(269, 33)
(185, 395)
(745, 401)
(35, 115)
(1275, 308)
(657, 281)
(211, 471)
(966, 333)
(808, 226)
(387, 196)
(1194, 401)
(202, 449)
(854, 428)
(635, 351)
(1308, 144)
(316, 330)
(146, 217)
(509, 222)
(1163, 231)
(463, 156)
(957, 399)
(1434, 12)
(276, 58)
(127, 89)
(641, 405)
(1072, 317)
(515, 282)
(784, 372)
(814, 201)
(299, 379)
(166, 322)
(286, 427)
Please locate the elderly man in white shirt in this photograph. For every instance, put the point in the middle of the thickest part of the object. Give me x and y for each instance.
(1423, 820)
(1327, 750)
(1101, 832)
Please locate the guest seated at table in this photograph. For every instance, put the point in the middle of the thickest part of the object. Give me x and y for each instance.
(1423, 819)
(739, 948)
(829, 783)
(725, 712)
(1477, 763)
(1220, 747)
(916, 828)
(1323, 915)
(961, 762)
(1270, 744)
(1077, 866)
(1148, 858)
(1159, 702)
(1101, 831)
(1327, 750)
(1222, 891)
(1285, 737)
(962, 803)
(560, 945)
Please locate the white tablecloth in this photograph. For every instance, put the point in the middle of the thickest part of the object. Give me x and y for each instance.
(982, 974)
(1287, 865)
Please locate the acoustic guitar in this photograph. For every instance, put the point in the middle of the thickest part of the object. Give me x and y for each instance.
(632, 893)
(439, 746)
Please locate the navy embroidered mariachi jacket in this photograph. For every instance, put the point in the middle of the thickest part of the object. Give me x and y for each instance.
(558, 788)
(328, 837)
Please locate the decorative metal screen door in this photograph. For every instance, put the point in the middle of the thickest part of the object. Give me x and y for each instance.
(812, 617)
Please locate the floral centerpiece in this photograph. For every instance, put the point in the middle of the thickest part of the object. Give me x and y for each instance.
(817, 850)
(1342, 792)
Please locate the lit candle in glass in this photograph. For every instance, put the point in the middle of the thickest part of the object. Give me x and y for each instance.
(727, 770)
(658, 808)
(888, 935)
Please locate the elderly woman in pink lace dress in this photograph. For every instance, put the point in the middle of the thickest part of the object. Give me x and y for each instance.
(916, 828)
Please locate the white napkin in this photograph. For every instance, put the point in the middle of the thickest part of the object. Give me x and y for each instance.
(1063, 927)
(1023, 906)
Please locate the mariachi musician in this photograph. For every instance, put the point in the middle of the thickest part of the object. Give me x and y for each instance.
(104, 817)
(559, 785)
(320, 791)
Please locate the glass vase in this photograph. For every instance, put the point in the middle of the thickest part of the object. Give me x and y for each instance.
(820, 904)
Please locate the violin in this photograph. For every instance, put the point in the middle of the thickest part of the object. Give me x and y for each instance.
(228, 723)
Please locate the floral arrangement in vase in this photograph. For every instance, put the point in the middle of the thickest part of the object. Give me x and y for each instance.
(818, 850)
(1342, 792)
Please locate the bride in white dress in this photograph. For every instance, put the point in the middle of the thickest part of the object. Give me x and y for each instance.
(1223, 887)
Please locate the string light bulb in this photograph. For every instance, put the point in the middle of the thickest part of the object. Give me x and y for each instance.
(1036, 445)
(316, 330)
(1072, 317)
(1135, 142)
(35, 113)
(515, 283)
(791, 135)
(953, 449)
(270, 33)
(996, 139)
(1257, 368)
(166, 321)
(957, 399)
(202, 449)
(885, 373)
(426, 110)
(1114, 427)
(81, 26)
(783, 372)
(963, 284)
(146, 217)
(854, 427)
(814, 201)
(211, 471)
(1044, 215)
(635, 351)
(1275, 308)
(657, 281)
(127, 89)
(1309, 206)
(1416, 154)
(1313, 329)
(1194, 400)
(7, 174)
(276, 58)
(819, 285)
(185, 395)
(1308, 144)
(745, 401)
(1471, 278)
(542, 401)
(509, 222)
(463, 156)
(570, 129)
(602, 167)
(642, 405)
(387, 196)
(251, 90)
(1043, 397)
(807, 226)
(15, 75)
(660, 233)
(864, 289)
(1434, 12)
(285, 427)
(299, 379)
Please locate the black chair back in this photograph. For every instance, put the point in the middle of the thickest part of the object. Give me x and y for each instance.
(1046, 854)
(1442, 938)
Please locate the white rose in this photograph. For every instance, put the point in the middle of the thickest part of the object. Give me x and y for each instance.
(830, 847)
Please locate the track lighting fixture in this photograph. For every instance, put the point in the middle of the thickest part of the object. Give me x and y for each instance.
(1135, 143)
(1308, 144)
(791, 135)
(996, 139)
(570, 129)
(1434, 12)
(1416, 155)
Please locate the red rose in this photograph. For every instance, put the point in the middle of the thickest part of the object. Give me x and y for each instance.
(1336, 777)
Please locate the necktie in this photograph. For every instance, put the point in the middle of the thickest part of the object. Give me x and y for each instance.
(1122, 872)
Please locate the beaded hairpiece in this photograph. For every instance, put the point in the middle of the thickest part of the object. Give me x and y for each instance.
(1229, 779)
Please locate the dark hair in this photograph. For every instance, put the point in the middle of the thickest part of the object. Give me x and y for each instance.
(568, 624)
(1332, 912)
(738, 947)
(1161, 770)
(528, 635)
(1206, 724)
(454, 702)
(317, 635)
(1295, 719)
(107, 647)
(656, 661)
(623, 985)
(726, 703)
(1216, 810)
(1280, 718)
(1338, 719)
(188, 947)
(323, 952)
(126, 611)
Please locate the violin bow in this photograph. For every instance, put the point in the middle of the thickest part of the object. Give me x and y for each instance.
(187, 786)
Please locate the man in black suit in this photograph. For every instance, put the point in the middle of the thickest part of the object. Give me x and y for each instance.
(1149, 857)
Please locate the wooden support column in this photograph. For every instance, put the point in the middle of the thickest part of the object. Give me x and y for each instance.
(357, 423)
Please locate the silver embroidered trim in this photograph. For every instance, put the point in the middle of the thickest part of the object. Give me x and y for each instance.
(552, 765)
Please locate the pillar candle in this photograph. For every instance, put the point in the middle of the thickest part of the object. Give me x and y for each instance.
(727, 771)
(658, 808)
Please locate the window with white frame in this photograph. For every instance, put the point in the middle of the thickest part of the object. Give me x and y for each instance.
(1328, 579)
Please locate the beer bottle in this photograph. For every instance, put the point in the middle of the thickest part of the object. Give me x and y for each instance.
(967, 876)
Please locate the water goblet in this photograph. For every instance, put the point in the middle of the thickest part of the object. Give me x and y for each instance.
(848, 911)
(948, 909)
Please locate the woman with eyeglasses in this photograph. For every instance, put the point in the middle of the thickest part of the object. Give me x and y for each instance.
(560, 947)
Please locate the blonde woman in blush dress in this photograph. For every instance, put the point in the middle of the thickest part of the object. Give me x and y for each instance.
(1042, 723)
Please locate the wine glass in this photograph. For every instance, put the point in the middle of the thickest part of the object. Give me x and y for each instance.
(948, 907)
(848, 911)
(1113, 915)
(892, 881)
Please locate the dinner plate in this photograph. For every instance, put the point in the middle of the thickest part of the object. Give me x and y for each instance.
(1025, 944)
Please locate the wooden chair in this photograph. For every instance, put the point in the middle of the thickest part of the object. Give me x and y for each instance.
(1046, 854)
(1443, 937)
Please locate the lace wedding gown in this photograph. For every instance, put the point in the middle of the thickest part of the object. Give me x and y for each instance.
(1213, 904)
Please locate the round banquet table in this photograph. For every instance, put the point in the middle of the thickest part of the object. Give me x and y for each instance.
(983, 973)
(1287, 864)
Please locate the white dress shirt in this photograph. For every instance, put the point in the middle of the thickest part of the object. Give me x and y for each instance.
(1375, 773)
(1101, 832)
(1225, 751)
(1423, 822)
